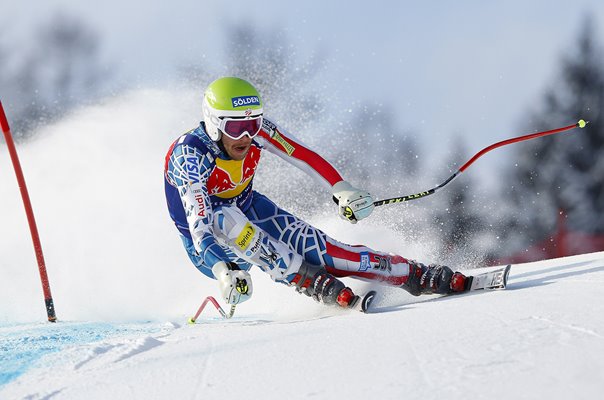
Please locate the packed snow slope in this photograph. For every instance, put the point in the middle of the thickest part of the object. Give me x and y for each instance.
(124, 288)
(542, 338)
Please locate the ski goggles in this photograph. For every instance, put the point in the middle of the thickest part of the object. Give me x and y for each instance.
(236, 128)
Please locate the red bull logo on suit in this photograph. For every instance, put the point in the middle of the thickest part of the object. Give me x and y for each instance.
(230, 177)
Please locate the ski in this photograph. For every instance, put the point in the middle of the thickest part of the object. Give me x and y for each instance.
(491, 280)
(363, 303)
(494, 279)
(367, 300)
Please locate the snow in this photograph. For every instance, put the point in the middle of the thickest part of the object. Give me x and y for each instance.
(543, 337)
(124, 289)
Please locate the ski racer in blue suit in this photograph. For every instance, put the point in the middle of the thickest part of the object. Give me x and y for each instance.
(226, 227)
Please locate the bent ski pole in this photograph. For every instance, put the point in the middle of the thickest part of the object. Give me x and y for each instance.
(220, 310)
(580, 124)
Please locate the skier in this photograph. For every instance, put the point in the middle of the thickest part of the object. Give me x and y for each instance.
(226, 226)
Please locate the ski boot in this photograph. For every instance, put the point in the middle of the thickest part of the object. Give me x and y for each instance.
(434, 279)
(314, 281)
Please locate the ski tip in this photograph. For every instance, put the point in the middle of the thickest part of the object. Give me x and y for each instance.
(367, 300)
(506, 273)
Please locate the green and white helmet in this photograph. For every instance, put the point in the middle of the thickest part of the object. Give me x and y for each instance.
(231, 106)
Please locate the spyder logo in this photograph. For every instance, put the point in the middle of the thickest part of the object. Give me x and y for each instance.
(383, 263)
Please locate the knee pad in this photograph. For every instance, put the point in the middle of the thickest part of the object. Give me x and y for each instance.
(234, 230)
(231, 225)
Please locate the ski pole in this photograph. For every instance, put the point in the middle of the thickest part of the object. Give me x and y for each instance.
(580, 124)
(10, 144)
(220, 310)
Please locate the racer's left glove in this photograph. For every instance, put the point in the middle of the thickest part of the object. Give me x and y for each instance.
(353, 204)
(235, 284)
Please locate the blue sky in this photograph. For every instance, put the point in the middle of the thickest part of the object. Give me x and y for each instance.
(446, 68)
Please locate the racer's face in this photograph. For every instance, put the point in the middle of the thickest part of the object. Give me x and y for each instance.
(237, 149)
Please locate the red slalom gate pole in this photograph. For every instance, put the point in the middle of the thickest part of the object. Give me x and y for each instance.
(12, 150)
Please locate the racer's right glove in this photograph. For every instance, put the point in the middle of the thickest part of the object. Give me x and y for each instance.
(353, 204)
(235, 284)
